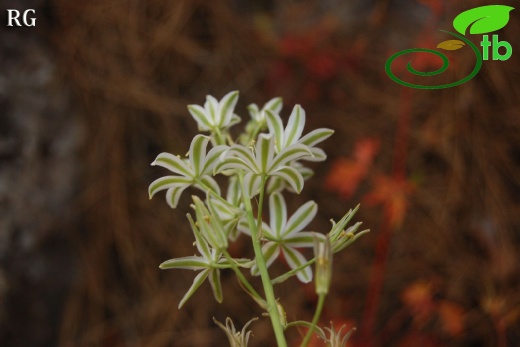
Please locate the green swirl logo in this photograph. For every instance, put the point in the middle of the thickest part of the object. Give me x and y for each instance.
(480, 20)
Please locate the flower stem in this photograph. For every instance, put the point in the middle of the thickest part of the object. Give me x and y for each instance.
(241, 277)
(272, 308)
(317, 314)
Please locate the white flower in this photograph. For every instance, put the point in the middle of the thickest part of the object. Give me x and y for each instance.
(285, 236)
(216, 114)
(263, 161)
(195, 171)
(293, 131)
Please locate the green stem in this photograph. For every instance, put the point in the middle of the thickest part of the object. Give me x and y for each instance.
(293, 272)
(272, 307)
(317, 313)
(241, 277)
(218, 136)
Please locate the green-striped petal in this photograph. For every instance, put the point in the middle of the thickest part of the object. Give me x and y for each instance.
(294, 128)
(214, 280)
(168, 182)
(301, 218)
(274, 123)
(316, 136)
(227, 107)
(199, 279)
(287, 155)
(295, 259)
(187, 263)
(277, 213)
(199, 114)
(291, 176)
(173, 163)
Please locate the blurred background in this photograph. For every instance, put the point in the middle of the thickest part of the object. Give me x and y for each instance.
(93, 92)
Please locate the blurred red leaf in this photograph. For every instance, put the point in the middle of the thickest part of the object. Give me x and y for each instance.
(393, 193)
(452, 317)
(418, 298)
(346, 174)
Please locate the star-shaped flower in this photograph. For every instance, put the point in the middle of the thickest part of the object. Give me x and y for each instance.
(293, 131)
(216, 114)
(262, 161)
(195, 171)
(285, 236)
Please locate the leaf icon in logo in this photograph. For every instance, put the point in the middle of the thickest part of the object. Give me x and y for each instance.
(451, 45)
(483, 19)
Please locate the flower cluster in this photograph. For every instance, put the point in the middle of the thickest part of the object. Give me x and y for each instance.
(267, 159)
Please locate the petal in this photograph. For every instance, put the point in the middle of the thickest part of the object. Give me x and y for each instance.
(173, 163)
(234, 164)
(291, 176)
(317, 154)
(188, 263)
(210, 182)
(264, 151)
(316, 136)
(301, 218)
(252, 184)
(199, 279)
(243, 226)
(271, 251)
(295, 259)
(287, 155)
(274, 122)
(277, 213)
(227, 107)
(214, 280)
(301, 239)
(199, 114)
(168, 182)
(198, 153)
(211, 105)
(275, 105)
(212, 158)
(173, 195)
(295, 126)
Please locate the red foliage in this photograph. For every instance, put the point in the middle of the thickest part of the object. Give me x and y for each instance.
(346, 174)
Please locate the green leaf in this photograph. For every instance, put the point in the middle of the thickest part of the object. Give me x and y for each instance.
(199, 279)
(483, 19)
(451, 45)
